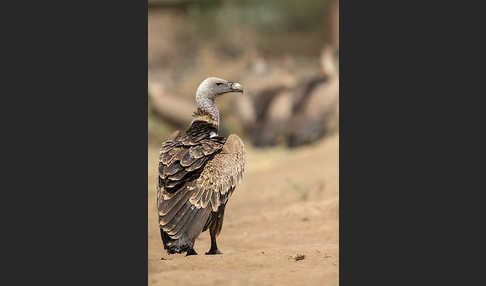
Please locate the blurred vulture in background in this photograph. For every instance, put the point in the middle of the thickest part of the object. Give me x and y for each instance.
(296, 113)
(279, 107)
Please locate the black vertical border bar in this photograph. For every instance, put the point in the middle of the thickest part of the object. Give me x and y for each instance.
(77, 87)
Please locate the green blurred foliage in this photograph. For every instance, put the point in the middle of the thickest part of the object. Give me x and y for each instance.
(270, 16)
(276, 24)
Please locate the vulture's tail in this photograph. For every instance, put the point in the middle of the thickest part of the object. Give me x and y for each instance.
(175, 245)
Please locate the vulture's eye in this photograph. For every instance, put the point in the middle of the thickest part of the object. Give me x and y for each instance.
(219, 83)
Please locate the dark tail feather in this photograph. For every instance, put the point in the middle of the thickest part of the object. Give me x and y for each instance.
(179, 245)
(188, 225)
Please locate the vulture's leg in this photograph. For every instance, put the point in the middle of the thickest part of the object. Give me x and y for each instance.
(214, 230)
(214, 247)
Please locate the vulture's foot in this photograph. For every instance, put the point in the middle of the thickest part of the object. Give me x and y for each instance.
(191, 252)
(213, 252)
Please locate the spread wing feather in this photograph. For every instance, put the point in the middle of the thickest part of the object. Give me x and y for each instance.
(220, 175)
(197, 174)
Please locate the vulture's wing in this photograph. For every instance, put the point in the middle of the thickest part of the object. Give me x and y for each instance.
(195, 178)
(220, 176)
(182, 159)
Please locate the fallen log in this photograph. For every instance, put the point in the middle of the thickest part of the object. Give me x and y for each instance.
(174, 109)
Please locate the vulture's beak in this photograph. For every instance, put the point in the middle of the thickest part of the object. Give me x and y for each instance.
(236, 87)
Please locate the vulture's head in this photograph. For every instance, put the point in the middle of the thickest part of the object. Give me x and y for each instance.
(211, 87)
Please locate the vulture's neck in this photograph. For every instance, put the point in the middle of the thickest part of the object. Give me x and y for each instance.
(207, 116)
(206, 110)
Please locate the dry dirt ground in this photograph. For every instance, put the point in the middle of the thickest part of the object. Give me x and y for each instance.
(286, 206)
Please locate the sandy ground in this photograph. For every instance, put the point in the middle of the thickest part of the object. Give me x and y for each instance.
(287, 205)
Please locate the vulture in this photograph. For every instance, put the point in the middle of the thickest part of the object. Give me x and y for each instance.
(295, 112)
(198, 172)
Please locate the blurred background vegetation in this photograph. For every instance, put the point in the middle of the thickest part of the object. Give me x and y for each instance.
(284, 52)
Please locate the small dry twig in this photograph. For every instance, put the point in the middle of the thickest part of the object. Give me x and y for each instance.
(298, 257)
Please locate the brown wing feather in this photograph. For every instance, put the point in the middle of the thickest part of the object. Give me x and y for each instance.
(197, 174)
(182, 160)
(220, 175)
